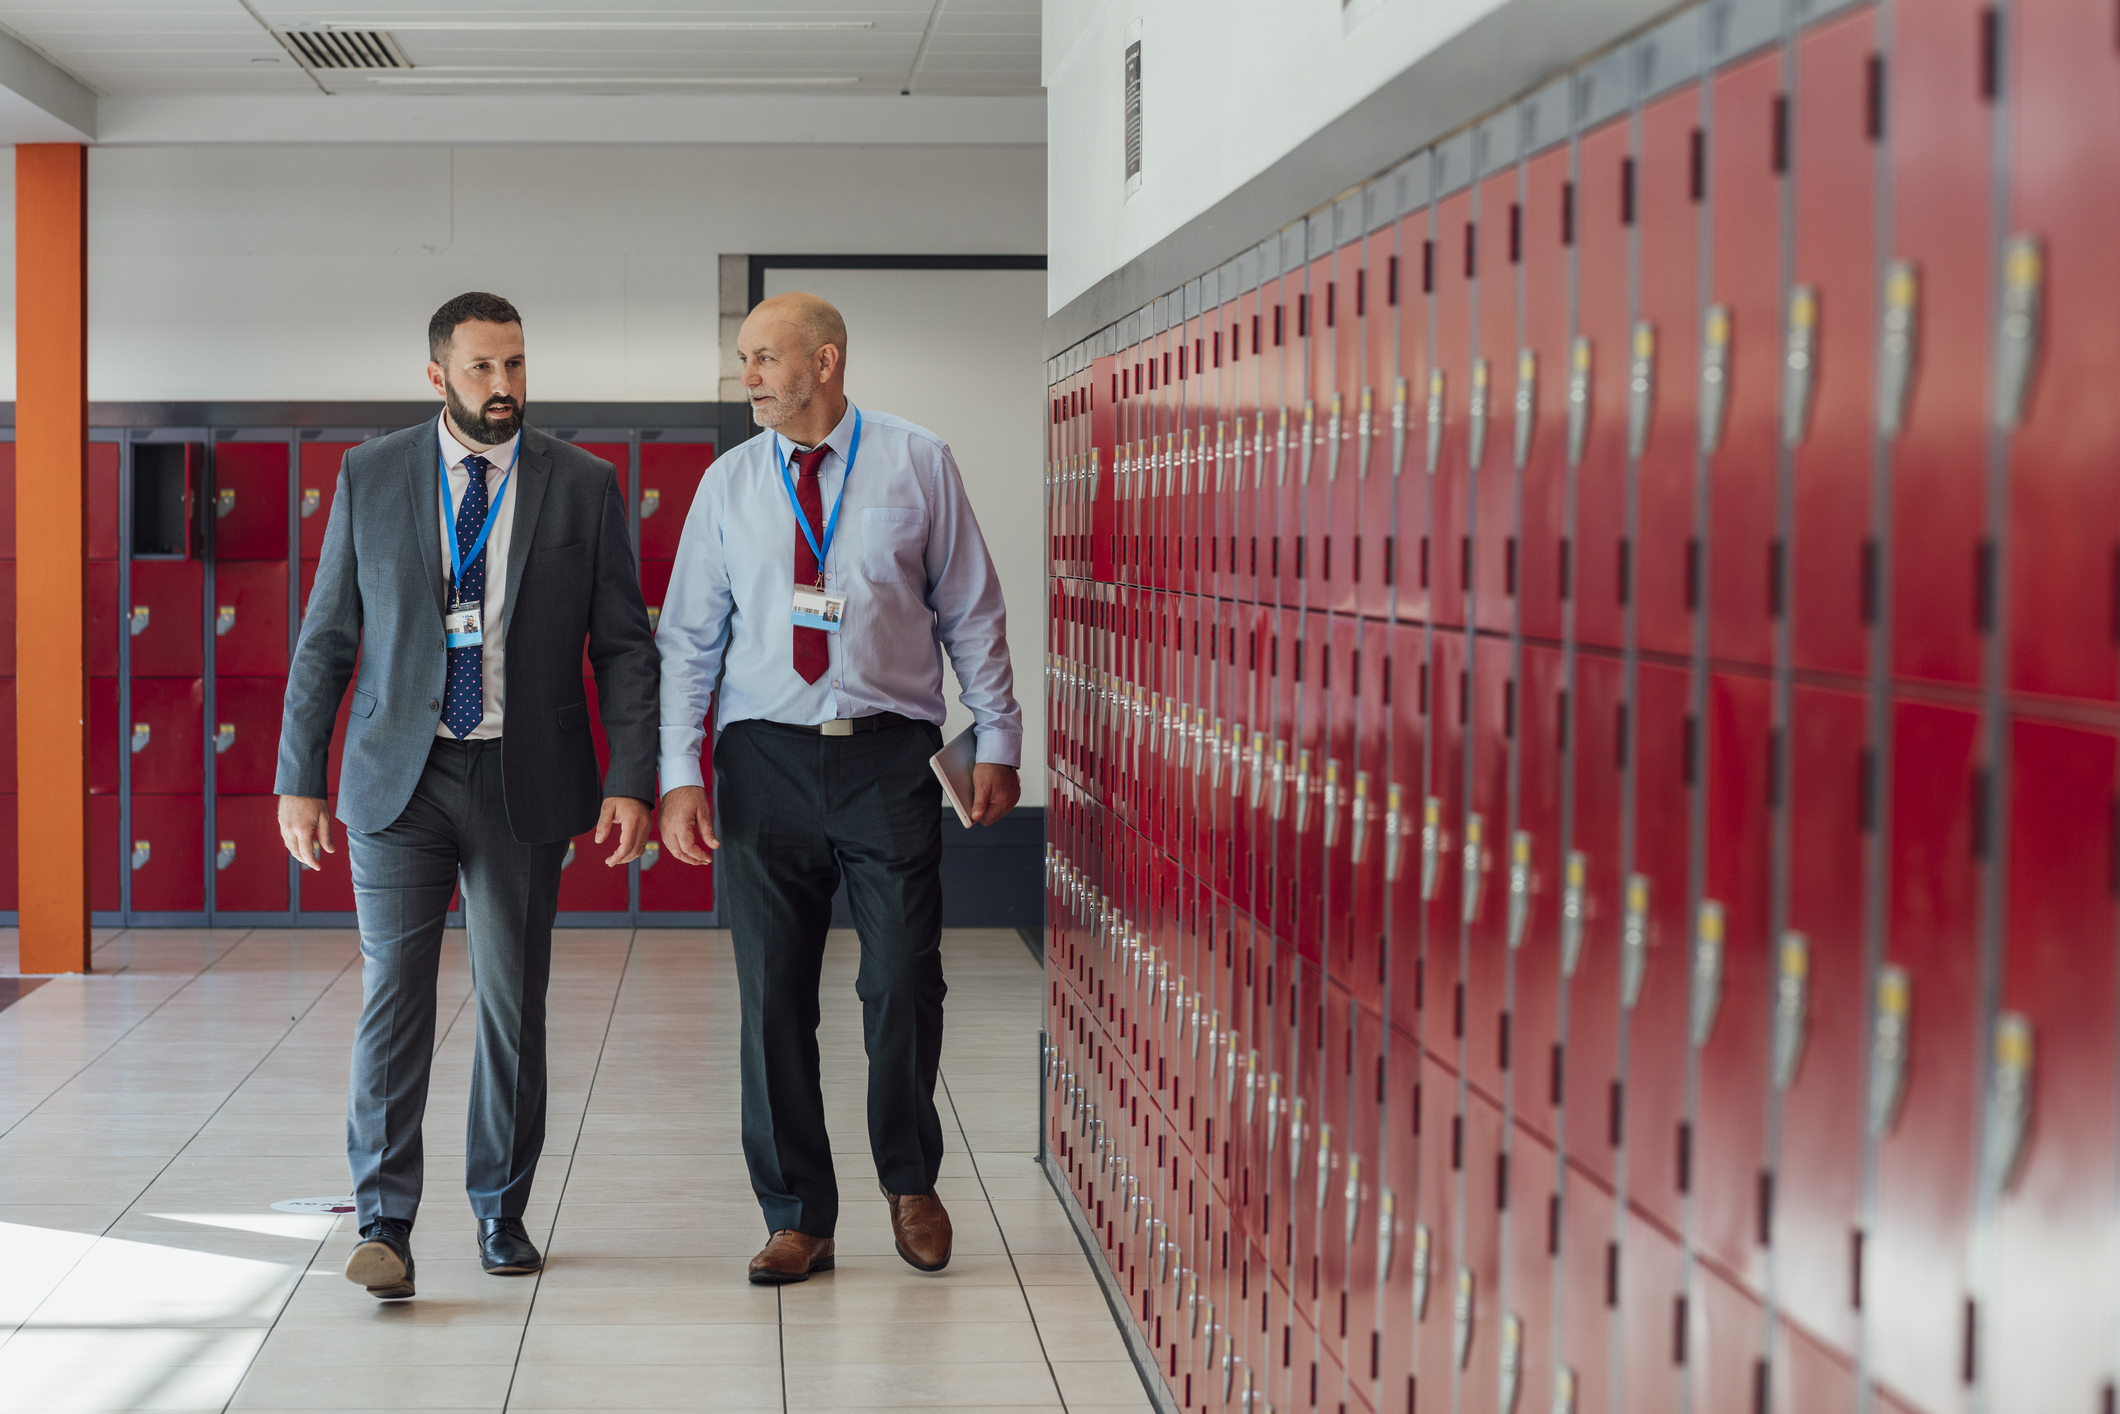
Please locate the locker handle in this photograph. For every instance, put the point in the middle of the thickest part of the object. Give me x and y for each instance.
(1512, 1359)
(1387, 1233)
(142, 733)
(1229, 1366)
(1574, 909)
(1435, 419)
(1707, 970)
(2023, 278)
(137, 623)
(1332, 442)
(224, 736)
(224, 854)
(1280, 778)
(1898, 346)
(1353, 1195)
(1398, 429)
(1310, 423)
(224, 501)
(654, 617)
(1332, 803)
(1365, 427)
(1519, 887)
(650, 502)
(1791, 1006)
(1891, 1026)
(567, 859)
(1578, 398)
(312, 500)
(1461, 1319)
(1394, 835)
(1359, 814)
(1423, 1245)
(1431, 845)
(142, 850)
(1799, 364)
(1324, 1162)
(1476, 414)
(1563, 1390)
(2009, 1107)
(1634, 941)
(1474, 865)
(1526, 404)
(1641, 389)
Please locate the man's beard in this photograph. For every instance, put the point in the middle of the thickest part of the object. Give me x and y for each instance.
(485, 430)
(787, 404)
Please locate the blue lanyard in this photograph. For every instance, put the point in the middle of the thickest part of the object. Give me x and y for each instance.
(458, 559)
(831, 526)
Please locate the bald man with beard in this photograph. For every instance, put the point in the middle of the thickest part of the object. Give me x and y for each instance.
(825, 569)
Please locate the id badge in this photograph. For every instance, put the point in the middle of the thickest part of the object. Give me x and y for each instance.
(464, 625)
(815, 608)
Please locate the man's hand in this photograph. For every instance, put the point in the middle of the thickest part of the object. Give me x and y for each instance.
(630, 818)
(995, 791)
(688, 824)
(305, 823)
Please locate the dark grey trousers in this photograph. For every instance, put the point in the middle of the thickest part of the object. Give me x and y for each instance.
(798, 812)
(403, 875)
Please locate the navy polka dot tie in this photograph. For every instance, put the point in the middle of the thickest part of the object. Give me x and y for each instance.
(464, 703)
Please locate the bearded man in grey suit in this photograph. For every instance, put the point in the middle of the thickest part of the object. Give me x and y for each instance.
(467, 562)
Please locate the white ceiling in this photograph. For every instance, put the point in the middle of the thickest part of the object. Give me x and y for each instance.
(124, 49)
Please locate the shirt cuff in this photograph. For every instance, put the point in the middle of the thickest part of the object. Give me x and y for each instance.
(680, 771)
(999, 746)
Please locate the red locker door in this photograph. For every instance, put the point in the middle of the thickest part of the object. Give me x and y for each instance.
(7, 736)
(1811, 1376)
(1730, 1136)
(1408, 670)
(250, 500)
(2054, 1049)
(7, 620)
(1440, 1157)
(1498, 248)
(586, 883)
(1098, 432)
(1655, 1099)
(319, 486)
(164, 618)
(1366, 1178)
(249, 861)
(1744, 191)
(1442, 836)
(1533, 891)
(1482, 866)
(1289, 434)
(1836, 260)
(246, 736)
(106, 854)
(1362, 961)
(1446, 409)
(250, 616)
(1595, 912)
(165, 736)
(166, 853)
(1652, 1285)
(7, 492)
(1380, 423)
(1595, 379)
(10, 876)
(1727, 1331)
(1664, 559)
(1819, 1026)
(669, 475)
(1538, 385)
(105, 732)
(1477, 1310)
(1413, 564)
(2064, 503)
(1346, 302)
(1528, 1295)
(106, 621)
(102, 508)
(1398, 1214)
(1592, 1283)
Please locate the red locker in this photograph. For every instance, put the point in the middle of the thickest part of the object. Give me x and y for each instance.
(10, 875)
(1663, 561)
(1941, 145)
(1366, 1181)
(246, 733)
(1498, 248)
(1596, 909)
(7, 494)
(102, 506)
(1662, 971)
(1725, 1348)
(105, 732)
(1340, 567)
(1528, 1295)
(250, 616)
(319, 486)
(1745, 337)
(1538, 392)
(1482, 866)
(1594, 385)
(249, 861)
(1250, 460)
(1533, 891)
(250, 500)
(1362, 962)
(1413, 555)
(166, 853)
(106, 621)
(106, 854)
(1380, 420)
(1291, 433)
(1593, 1280)
(1730, 1136)
(7, 617)
(1440, 1158)
(2064, 95)
(1097, 430)
(669, 474)
(2052, 1102)
(1338, 684)
(1811, 1376)
(1477, 1309)
(1446, 411)
(7, 737)
(1407, 668)
(1652, 1281)
(1316, 347)
(586, 883)
(163, 618)
(1441, 840)
(165, 735)
(1827, 414)
(1819, 1026)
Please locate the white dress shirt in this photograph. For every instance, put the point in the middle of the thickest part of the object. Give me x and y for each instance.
(493, 654)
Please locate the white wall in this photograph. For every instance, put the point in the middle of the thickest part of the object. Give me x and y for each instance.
(958, 351)
(309, 272)
(1228, 87)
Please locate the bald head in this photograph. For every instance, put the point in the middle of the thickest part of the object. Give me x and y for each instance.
(793, 351)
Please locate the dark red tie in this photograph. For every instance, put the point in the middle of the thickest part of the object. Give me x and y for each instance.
(812, 645)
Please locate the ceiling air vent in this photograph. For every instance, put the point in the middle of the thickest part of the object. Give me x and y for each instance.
(344, 49)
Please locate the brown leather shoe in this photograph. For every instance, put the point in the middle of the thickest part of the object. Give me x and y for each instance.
(921, 1228)
(791, 1256)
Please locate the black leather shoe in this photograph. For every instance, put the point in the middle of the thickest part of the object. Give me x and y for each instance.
(505, 1249)
(383, 1261)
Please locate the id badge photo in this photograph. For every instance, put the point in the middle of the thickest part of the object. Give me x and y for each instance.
(464, 625)
(817, 608)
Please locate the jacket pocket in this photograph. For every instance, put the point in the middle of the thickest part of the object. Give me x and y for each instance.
(363, 703)
(894, 545)
(574, 718)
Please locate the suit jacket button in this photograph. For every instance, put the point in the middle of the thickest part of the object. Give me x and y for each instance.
(433, 706)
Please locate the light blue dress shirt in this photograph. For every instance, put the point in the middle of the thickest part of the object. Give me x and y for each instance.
(907, 555)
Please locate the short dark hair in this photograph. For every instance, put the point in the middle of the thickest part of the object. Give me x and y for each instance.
(477, 305)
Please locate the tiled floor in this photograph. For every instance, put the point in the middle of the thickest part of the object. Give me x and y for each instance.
(150, 1116)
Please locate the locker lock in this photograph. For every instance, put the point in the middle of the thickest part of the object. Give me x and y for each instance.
(1387, 1233)
(1352, 1198)
(1435, 419)
(1332, 803)
(224, 736)
(2023, 276)
(224, 501)
(1394, 834)
(142, 851)
(1398, 428)
(567, 859)
(1519, 886)
(1714, 375)
(1474, 866)
(1295, 1141)
(1364, 429)
(1332, 441)
(137, 623)
(1324, 1162)
(1512, 1361)
(1423, 1247)
(312, 501)
(1476, 415)
(650, 854)
(1707, 969)
(1791, 1006)
(1526, 404)
(1898, 345)
(1431, 845)
(1563, 1390)
(142, 733)
(1303, 790)
(1360, 813)
(2009, 1107)
(1890, 1037)
(224, 854)
(1634, 941)
(654, 617)
(1461, 1319)
(650, 502)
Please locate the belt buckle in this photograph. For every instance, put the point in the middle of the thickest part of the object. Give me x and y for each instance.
(838, 726)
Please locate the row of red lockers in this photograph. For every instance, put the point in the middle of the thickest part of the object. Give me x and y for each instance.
(1506, 881)
(165, 734)
(1490, 342)
(1457, 870)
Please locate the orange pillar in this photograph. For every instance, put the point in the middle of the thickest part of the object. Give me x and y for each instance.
(51, 554)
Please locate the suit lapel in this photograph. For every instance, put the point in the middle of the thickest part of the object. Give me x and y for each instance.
(533, 473)
(422, 481)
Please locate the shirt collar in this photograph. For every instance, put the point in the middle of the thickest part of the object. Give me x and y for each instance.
(454, 452)
(840, 440)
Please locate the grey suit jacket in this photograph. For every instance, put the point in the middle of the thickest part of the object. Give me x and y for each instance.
(378, 603)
